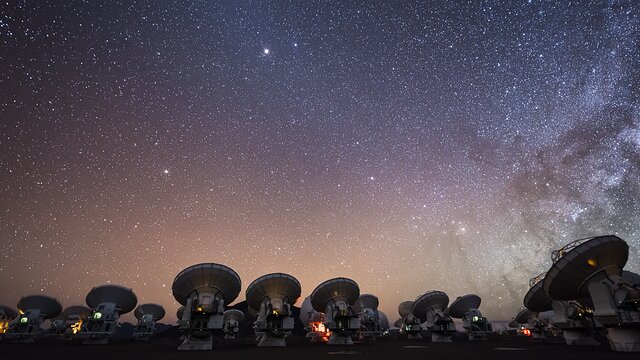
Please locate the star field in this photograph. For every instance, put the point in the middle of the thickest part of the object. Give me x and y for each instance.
(408, 146)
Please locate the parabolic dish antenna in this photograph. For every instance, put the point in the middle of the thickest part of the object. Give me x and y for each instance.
(366, 301)
(180, 312)
(155, 310)
(271, 285)
(405, 308)
(337, 288)
(124, 298)
(49, 307)
(537, 299)
(577, 263)
(80, 311)
(7, 313)
(429, 300)
(207, 278)
(233, 314)
(463, 304)
(523, 316)
(306, 310)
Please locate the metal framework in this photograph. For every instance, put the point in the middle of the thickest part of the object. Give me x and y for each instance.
(557, 254)
(536, 279)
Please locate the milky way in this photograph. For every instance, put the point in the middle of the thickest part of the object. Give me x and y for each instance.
(440, 145)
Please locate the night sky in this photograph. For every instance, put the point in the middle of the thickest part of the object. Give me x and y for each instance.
(437, 145)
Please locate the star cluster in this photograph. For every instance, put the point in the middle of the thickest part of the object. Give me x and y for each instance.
(408, 146)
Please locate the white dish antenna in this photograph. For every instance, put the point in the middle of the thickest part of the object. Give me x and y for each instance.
(216, 279)
(276, 286)
(335, 298)
(204, 290)
(338, 290)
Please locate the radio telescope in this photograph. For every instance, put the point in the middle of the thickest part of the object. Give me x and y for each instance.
(271, 296)
(107, 302)
(530, 321)
(147, 315)
(571, 317)
(367, 309)
(408, 323)
(69, 322)
(431, 307)
(180, 313)
(6, 315)
(335, 297)
(592, 267)
(34, 310)
(204, 290)
(313, 322)
(232, 320)
(466, 308)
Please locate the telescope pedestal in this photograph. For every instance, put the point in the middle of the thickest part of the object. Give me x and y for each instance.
(337, 339)
(197, 343)
(624, 339)
(579, 337)
(272, 341)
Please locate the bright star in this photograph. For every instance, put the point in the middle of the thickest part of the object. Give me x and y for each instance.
(166, 171)
(266, 51)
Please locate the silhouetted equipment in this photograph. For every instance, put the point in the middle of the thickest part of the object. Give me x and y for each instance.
(147, 315)
(335, 298)
(34, 310)
(569, 316)
(367, 309)
(232, 319)
(409, 324)
(592, 268)
(313, 322)
(6, 315)
(466, 308)
(204, 290)
(431, 306)
(70, 321)
(107, 302)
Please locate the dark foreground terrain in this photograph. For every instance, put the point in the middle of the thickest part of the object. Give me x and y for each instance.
(499, 347)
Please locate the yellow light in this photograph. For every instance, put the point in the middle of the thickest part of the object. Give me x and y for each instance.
(3, 326)
(592, 262)
(75, 327)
